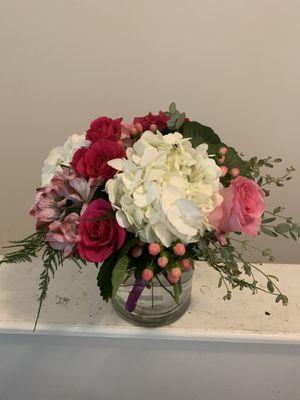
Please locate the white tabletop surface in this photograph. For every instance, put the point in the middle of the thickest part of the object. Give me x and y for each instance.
(74, 307)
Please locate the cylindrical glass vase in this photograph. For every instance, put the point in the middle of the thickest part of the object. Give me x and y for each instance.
(156, 305)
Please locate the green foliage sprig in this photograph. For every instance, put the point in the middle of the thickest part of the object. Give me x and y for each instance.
(51, 260)
(255, 166)
(234, 269)
(24, 250)
(275, 224)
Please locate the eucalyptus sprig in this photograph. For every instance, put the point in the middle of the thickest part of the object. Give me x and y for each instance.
(176, 119)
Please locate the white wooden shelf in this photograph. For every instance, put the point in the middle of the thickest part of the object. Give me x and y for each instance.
(74, 307)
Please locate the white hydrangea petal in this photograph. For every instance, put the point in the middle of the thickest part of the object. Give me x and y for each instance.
(122, 219)
(163, 234)
(116, 163)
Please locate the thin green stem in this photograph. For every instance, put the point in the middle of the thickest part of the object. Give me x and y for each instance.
(164, 287)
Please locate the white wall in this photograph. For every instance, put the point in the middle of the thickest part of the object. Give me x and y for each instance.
(233, 65)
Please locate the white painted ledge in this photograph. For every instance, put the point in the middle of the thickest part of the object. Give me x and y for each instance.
(74, 308)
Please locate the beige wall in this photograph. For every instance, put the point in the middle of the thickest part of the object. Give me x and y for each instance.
(233, 65)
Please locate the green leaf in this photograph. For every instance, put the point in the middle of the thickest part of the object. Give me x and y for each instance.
(176, 290)
(267, 220)
(270, 286)
(105, 275)
(268, 232)
(200, 134)
(293, 236)
(119, 273)
(247, 269)
(172, 108)
(277, 210)
(282, 228)
(233, 160)
(179, 121)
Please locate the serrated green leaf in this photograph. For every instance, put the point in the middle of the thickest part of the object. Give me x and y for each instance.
(104, 277)
(233, 160)
(200, 134)
(119, 273)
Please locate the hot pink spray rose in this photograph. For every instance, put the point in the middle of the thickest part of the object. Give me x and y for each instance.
(242, 208)
(64, 235)
(100, 233)
(104, 128)
(92, 162)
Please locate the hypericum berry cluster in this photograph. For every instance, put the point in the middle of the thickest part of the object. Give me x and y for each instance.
(137, 129)
(234, 172)
(172, 260)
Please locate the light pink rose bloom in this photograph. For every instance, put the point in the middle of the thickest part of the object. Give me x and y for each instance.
(64, 235)
(242, 208)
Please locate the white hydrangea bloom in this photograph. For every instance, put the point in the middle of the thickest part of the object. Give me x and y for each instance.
(62, 155)
(165, 188)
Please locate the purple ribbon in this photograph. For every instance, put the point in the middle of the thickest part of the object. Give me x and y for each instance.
(135, 294)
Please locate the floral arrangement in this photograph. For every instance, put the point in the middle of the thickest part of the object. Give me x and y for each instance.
(148, 199)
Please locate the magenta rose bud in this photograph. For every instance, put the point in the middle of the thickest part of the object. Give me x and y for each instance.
(162, 262)
(241, 210)
(136, 251)
(99, 232)
(179, 249)
(147, 274)
(224, 170)
(221, 160)
(235, 172)
(186, 264)
(154, 249)
(223, 150)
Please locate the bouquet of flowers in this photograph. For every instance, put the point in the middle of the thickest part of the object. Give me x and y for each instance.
(149, 198)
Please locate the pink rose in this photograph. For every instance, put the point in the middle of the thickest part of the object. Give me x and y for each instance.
(92, 162)
(242, 208)
(104, 128)
(100, 233)
(64, 235)
(159, 120)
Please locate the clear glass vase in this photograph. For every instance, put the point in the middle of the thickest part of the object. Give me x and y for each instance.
(156, 305)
